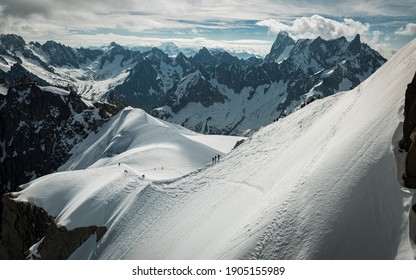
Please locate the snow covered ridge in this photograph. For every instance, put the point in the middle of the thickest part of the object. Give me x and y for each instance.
(321, 183)
(144, 145)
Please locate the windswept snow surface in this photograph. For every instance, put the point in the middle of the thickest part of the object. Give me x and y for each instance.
(321, 183)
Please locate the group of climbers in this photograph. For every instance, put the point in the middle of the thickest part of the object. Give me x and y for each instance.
(215, 160)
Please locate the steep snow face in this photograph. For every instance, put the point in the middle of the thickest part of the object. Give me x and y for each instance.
(321, 183)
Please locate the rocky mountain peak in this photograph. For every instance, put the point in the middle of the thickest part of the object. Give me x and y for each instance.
(12, 42)
(355, 45)
(114, 47)
(60, 54)
(157, 54)
(282, 44)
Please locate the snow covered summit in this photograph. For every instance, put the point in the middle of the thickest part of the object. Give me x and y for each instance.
(147, 146)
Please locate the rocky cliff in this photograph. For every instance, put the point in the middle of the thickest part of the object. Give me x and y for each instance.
(407, 143)
(29, 232)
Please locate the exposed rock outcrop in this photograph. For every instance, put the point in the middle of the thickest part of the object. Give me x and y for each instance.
(59, 243)
(409, 135)
(25, 224)
(412, 221)
(408, 143)
(409, 124)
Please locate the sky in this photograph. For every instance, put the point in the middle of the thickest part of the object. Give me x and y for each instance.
(237, 25)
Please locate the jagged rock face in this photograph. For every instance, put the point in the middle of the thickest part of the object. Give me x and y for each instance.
(117, 50)
(39, 127)
(281, 46)
(25, 224)
(16, 73)
(12, 42)
(142, 89)
(60, 55)
(409, 124)
(409, 135)
(255, 92)
(152, 78)
(59, 243)
(13, 45)
(198, 90)
(205, 58)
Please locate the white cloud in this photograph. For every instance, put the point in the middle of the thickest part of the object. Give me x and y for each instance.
(409, 30)
(57, 19)
(376, 41)
(274, 26)
(316, 25)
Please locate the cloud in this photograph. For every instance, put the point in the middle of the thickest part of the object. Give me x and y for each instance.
(316, 25)
(409, 30)
(57, 19)
(377, 40)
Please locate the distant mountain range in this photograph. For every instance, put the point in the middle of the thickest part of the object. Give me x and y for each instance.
(172, 50)
(210, 91)
(215, 92)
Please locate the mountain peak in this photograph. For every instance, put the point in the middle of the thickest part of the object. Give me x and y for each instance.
(168, 45)
(280, 48)
(283, 34)
(12, 41)
(156, 50)
(157, 54)
(357, 38)
(355, 44)
(205, 52)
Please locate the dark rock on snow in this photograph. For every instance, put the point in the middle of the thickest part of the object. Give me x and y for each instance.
(409, 134)
(25, 224)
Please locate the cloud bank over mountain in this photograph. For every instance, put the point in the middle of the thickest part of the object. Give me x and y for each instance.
(385, 25)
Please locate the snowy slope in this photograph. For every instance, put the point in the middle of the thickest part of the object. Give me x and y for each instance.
(320, 183)
(145, 145)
